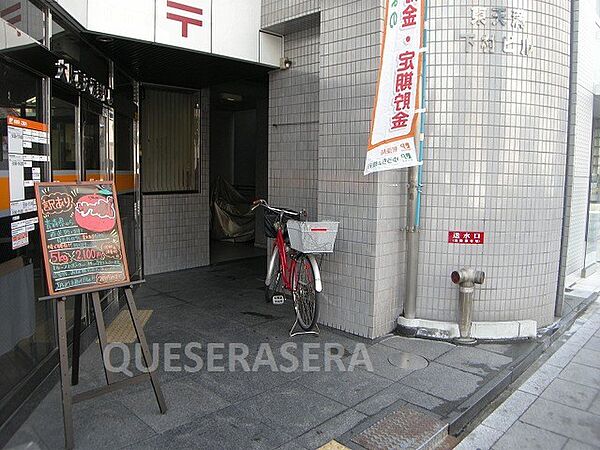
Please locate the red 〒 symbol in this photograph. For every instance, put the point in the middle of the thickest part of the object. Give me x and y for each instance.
(185, 21)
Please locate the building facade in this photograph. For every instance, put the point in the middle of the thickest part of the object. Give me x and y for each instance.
(184, 98)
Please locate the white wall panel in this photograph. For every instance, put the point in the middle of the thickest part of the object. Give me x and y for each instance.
(271, 49)
(133, 18)
(76, 9)
(235, 28)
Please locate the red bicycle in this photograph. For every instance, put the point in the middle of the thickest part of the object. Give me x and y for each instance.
(293, 268)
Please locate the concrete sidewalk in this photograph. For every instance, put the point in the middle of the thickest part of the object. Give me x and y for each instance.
(437, 381)
(558, 406)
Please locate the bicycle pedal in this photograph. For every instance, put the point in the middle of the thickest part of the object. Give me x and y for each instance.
(278, 299)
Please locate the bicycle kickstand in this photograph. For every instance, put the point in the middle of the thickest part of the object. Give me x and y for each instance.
(301, 332)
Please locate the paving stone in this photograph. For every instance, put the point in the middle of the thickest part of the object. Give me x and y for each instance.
(347, 387)
(572, 444)
(510, 349)
(330, 429)
(563, 355)
(100, 423)
(26, 439)
(540, 380)
(481, 438)
(570, 394)
(444, 382)
(235, 428)
(509, 411)
(157, 301)
(182, 437)
(293, 408)
(564, 420)
(379, 355)
(474, 360)
(229, 428)
(587, 357)
(292, 445)
(593, 344)
(397, 392)
(595, 406)
(238, 385)
(527, 437)
(578, 373)
(425, 347)
(186, 400)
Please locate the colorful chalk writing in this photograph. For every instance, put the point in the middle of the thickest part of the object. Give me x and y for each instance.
(81, 236)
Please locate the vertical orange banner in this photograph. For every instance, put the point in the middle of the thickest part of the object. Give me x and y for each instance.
(395, 112)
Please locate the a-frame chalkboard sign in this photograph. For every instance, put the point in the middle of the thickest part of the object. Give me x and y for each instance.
(84, 254)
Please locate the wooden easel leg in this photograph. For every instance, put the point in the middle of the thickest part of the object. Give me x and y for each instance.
(139, 330)
(101, 328)
(76, 340)
(67, 400)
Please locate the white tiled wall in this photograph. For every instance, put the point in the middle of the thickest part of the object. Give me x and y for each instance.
(362, 277)
(275, 12)
(176, 226)
(293, 125)
(495, 162)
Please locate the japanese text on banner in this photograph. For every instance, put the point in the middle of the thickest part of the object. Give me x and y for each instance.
(394, 121)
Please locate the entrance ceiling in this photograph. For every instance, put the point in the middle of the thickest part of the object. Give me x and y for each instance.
(152, 63)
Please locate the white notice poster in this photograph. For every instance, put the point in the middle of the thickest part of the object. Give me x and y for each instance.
(15, 139)
(16, 177)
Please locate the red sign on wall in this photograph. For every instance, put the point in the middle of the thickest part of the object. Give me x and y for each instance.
(466, 237)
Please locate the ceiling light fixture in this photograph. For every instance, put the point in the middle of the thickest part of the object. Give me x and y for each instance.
(105, 39)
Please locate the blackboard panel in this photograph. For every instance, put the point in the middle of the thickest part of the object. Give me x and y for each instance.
(81, 236)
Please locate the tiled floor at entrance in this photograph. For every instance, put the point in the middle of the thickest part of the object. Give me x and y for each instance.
(263, 409)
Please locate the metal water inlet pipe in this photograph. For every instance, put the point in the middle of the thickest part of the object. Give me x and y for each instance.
(466, 280)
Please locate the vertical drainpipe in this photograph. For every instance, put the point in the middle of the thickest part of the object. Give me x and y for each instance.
(415, 179)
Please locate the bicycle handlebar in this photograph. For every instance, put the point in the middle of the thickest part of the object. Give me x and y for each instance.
(263, 202)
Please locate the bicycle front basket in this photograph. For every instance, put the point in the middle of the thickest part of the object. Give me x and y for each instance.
(312, 237)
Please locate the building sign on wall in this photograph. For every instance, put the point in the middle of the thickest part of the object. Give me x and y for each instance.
(394, 122)
(82, 81)
(466, 237)
(184, 23)
(497, 29)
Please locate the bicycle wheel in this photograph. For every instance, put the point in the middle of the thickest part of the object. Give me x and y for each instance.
(274, 286)
(306, 296)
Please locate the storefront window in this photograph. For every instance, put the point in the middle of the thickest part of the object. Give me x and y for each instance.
(69, 46)
(25, 16)
(63, 136)
(592, 256)
(26, 325)
(168, 130)
(125, 175)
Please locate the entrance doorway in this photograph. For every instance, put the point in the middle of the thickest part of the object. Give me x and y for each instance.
(238, 169)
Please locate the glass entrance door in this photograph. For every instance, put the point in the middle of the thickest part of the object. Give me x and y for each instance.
(94, 151)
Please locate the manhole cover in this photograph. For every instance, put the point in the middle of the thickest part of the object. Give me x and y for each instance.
(408, 361)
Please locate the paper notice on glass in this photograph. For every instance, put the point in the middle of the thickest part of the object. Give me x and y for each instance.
(15, 140)
(20, 226)
(39, 158)
(36, 173)
(16, 177)
(22, 207)
(20, 240)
